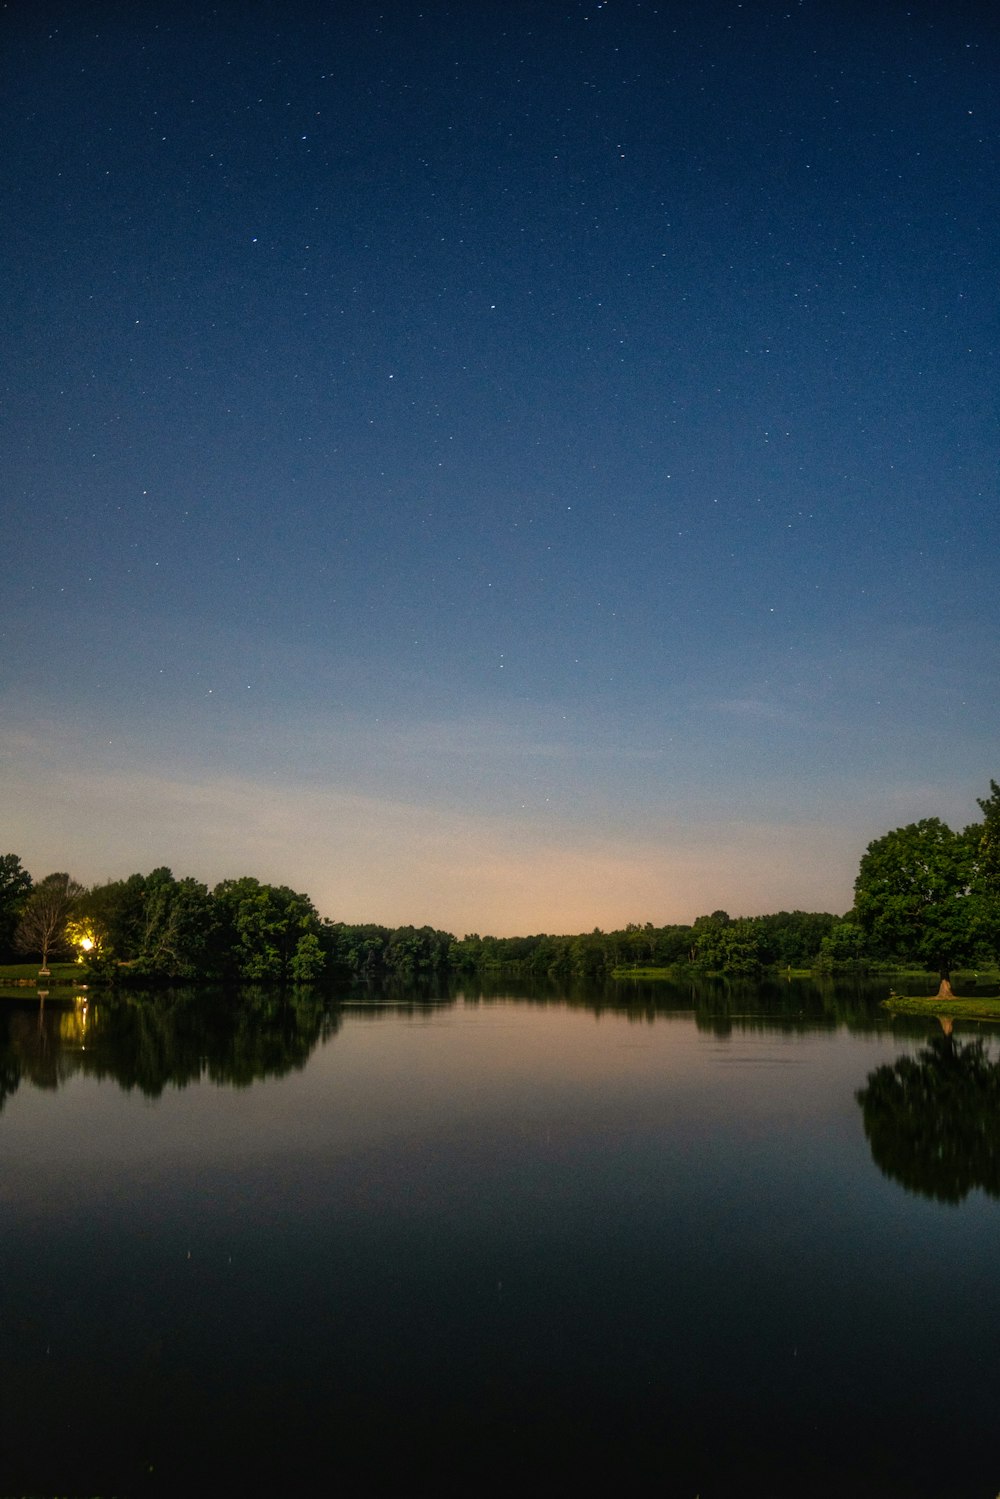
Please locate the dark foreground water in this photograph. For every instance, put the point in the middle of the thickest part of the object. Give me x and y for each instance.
(498, 1246)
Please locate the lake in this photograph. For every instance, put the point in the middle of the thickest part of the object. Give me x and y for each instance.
(509, 1241)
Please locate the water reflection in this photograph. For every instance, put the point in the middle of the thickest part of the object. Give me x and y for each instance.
(169, 1040)
(932, 1119)
(540, 1233)
(149, 1042)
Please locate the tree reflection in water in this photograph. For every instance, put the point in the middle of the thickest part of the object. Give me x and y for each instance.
(152, 1043)
(152, 1040)
(933, 1120)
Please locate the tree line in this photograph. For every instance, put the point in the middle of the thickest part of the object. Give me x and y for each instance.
(925, 896)
(157, 927)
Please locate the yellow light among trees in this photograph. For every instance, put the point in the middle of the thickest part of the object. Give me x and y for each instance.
(83, 938)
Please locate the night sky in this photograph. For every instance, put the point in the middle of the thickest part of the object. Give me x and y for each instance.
(508, 466)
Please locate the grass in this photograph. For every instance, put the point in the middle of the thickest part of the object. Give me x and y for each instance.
(929, 1004)
(27, 974)
(643, 973)
(681, 970)
(874, 971)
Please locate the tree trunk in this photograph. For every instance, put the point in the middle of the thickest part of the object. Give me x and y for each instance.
(945, 991)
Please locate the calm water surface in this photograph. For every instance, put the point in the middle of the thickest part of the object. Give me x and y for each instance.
(498, 1245)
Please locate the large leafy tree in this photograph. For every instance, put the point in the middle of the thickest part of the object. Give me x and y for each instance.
(988, 871)
(119, 909)
(263, 927)
(916, 896)
(414, 950)
(15, 886)
(722, 944)
(842, 948)
(159, 926)
(989, 841)
(44, 915)
(181, 928)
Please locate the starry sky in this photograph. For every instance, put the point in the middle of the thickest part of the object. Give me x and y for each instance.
(510, 466)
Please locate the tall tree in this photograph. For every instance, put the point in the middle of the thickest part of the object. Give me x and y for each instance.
(181, 928)
(120, 908)
(262, 926)
(989, 843)
(727, 945)
(915, 896)
(988, 870)
(42, 925)
(15, 886)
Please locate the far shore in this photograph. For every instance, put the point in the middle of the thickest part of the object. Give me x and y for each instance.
(65, 978)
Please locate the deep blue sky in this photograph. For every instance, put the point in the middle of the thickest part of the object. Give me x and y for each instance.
(511, 466)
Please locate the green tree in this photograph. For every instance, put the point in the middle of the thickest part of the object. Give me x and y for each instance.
(181, 928)
(467, 954)
(358, 949)
(674, 945)
(159, 926)
(989, 838)
(115, 908)
(915, 896)
(41, 927)
(723, 944)
(308, 960)
(988, 870)
(791, 939)
(415, 950)
(586, 954)
(262, 928)
(15, 887)
(842, 949)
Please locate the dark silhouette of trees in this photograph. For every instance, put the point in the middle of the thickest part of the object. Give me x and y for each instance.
(265, 930)
(15, 886)
(164, 1041)
(924, 895)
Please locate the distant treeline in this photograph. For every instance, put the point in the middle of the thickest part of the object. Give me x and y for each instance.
(157, 927)
(717, 943)
(924, 895)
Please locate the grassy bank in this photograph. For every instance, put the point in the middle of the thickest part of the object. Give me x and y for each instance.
(966, 978)
(27, 975)
(687, 971)
(982, 1008)
(644, 973)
